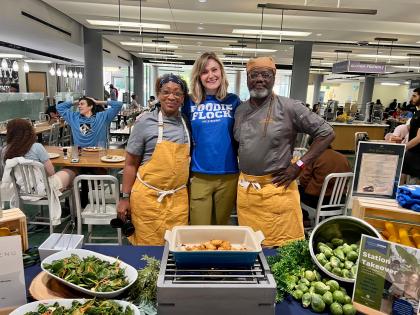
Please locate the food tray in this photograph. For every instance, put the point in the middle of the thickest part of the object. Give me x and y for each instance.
(237, 235)
(130, 272)
(32, 307)
(57, 242)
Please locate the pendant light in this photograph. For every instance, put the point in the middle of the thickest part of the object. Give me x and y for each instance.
(70, 73)
(65, 73)
(52, 71)
(58, 72)
(4, 64)
(80, 75)
(15, 66)
(26, 67)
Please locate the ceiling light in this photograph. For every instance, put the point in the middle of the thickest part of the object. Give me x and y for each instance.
(381, 56)
(249, 49)
(37, 61)
(65, 73)
(319, 34)
(4, 64)
(158, 55)
(52, 71)
(26, 67)
(292, 7)
(58, 72)
(327, 63)
(80, 75)
(128, 24)
(15, 66)
(406, 82)
(202, 1)
(407, 67)
(168, 62)
(152, 45)
(15, 56)
(70, 74)
(269, 32)
(234, 59)
(390, 84)
(200, 28)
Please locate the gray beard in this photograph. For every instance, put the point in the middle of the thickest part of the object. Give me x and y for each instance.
(259, 94)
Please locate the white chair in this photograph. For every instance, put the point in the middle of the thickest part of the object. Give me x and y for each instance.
(28, 191)
(54, 134)
(102, 207)
(342, 185)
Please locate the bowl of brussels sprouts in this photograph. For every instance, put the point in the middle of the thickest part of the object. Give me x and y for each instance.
(334, 246)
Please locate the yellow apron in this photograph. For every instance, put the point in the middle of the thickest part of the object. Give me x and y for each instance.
(273, 210)
(159, 197)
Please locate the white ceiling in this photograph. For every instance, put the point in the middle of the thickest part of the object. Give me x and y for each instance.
(396, 19)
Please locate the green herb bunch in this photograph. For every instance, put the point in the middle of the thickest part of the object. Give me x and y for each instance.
(90, 307)
(144, 290)
(291, 259)
(90, 273)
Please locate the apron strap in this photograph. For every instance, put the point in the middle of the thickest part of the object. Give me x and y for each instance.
(160, 129)
(244, 183)
(161, 193)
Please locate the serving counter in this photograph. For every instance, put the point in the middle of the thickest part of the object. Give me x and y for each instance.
(344, 134)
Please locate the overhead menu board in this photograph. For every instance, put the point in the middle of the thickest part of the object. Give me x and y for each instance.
(357, 67)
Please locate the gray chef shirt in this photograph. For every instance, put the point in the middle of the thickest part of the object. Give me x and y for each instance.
(143, 138)
(266, 139)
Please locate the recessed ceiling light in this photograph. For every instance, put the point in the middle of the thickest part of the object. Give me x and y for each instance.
(319, 34)
(11, 56)
(158, 55)
(269, 32)
(37, 61)
(390, 83)
(418, 42)
(234, 59)
(406, 82)
(200, 28)
(153, 45)
(382, 56)
(202, 1)
(167, 62)
(249, 49)
(128, 24)
(407, 67)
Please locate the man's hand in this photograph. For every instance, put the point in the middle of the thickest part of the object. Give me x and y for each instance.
(286, 176)
(123, 209)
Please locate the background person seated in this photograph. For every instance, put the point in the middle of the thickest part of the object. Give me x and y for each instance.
(313, 175)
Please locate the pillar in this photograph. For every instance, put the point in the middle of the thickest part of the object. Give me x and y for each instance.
(367, 93)
(318, 78)
(94, 78)
(138, 78)
(300, 70)
(238, 82)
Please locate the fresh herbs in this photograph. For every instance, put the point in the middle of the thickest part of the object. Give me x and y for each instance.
(288, 264)
(144, 290)
(90, 307)
(90, 273)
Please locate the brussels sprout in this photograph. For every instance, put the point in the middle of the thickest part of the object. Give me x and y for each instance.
(317, 303)
(321, 288)
(341, 265)
(337, 241)
(352, 256)
(305, 282)
(336, 309)
(306, 299)
(310, 274)
(355, 247)
(317, 275)
(347, 299)
(348, 264)
(328, 266)
(297, 294)
(346, 273)
(346, 249)
(335, 262)
(302, 287)
(338, 296)
(320, 244)
(312, 289)
(348, 309)
(330, 245)
(328, 298)
(328, 252)
(344, 291)
(337, 271)
(353, 271)
(339, 254)
(334, 286)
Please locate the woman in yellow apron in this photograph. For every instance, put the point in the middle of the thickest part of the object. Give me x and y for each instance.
(156, 170)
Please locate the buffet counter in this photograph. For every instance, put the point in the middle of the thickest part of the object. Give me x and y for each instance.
(344, 133)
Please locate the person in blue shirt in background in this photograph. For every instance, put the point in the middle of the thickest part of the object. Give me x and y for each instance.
(214, 163)
(90, 124)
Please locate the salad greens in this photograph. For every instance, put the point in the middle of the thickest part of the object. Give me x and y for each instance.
(90, 307)
(90, 273)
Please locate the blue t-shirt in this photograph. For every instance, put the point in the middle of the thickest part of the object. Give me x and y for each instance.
(214, 149)
(89, 131)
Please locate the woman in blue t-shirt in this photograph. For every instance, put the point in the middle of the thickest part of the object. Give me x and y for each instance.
(214, 164)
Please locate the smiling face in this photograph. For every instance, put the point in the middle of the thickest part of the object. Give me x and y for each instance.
(211, 77)
(84, 108)
(171, 98)
(260, 82)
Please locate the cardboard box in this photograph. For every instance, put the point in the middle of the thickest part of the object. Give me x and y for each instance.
(15, 220)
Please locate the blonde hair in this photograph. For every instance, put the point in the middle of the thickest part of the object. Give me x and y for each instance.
(198, 92)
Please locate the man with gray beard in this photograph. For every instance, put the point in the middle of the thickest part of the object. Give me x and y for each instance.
(266, 127)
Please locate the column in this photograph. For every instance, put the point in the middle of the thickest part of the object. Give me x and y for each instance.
(138, 71)
(318, 78)
(367, 93)
(94, 78)
(300, 70)
(154, 76)
(238, 82)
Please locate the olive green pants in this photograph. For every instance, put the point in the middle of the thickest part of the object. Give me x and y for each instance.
(212, 198)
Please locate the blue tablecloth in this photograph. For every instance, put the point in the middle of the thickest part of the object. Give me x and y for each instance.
(132, 255)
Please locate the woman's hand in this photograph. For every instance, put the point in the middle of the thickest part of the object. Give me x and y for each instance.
(123, 209)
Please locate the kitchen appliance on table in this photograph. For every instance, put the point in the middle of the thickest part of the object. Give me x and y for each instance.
(204, 289)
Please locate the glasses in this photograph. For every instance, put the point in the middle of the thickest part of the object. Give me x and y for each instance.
(176, 94)
(266, 75)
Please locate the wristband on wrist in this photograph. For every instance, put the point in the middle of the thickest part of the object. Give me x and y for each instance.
(300, 164)
(124, 195)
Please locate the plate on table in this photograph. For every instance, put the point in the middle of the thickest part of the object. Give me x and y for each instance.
(129, 271)
(53, 155)
(112, 158)
(92, 149)
(67, 303)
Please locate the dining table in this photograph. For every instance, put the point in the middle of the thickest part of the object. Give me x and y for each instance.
(87, 159)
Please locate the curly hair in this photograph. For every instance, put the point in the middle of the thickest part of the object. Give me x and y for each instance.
(20, 138)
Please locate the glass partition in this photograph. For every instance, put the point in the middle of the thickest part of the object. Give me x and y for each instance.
(19, 105)
(67, 96)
